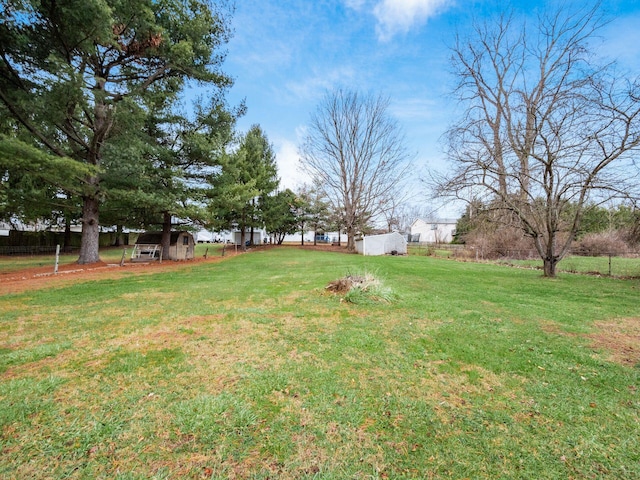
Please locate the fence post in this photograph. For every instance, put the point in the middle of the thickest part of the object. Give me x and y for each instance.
(55, 269)
(609, 264)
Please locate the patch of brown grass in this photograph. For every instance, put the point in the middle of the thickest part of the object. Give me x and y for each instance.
(620, 338)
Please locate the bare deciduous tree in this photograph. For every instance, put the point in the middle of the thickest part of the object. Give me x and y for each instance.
(545, 128)
(356, 152)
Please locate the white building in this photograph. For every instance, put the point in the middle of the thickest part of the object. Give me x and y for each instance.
(385, 244)
(433, 231)
(323, 238)
(259, 237)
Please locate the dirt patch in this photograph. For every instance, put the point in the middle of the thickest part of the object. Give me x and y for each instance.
(43, 277)
(620, 338)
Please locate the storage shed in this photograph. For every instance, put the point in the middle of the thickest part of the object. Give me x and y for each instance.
(148, 247)
(385, 244)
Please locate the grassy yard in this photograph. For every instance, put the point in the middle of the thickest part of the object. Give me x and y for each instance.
(248, 368)
(430, 250)
(615, 266)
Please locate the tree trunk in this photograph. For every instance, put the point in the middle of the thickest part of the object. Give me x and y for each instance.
(66, 243)
(90, 245)
(549, 254)
(242, 228)
(351, 239)
(544, 252)
(166, 235)
(118, 240)
(550, 266)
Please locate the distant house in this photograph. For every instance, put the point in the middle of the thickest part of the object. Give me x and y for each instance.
(325, 237)
(148, 247)
(385, 244)
(258, 237)
(433, 231)
(203, 236)
(5, 228)
(208, 236)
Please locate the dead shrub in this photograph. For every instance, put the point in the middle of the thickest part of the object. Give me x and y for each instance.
(603, 243)
(504, 242)
(344, 284)
(361, 289)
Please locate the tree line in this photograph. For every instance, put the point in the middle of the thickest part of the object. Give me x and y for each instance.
(94, 128)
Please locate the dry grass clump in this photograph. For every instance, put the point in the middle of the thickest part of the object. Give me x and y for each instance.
(344, 284)
(365, 288)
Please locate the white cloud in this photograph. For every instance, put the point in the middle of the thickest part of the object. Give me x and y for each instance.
(355, 4)
(399, 16)
(313, 87)
(277, 56)
(414, 109)
(288, 160)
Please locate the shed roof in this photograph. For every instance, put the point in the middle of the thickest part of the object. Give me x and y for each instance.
(155, 238)
(385, 235)
(445, 221)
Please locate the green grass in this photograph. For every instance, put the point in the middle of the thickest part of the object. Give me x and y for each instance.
(616, 266)
(430, 250)
(249, 368)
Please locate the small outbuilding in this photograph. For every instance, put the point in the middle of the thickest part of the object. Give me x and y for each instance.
(149, 247)
(385, 244)
(433, 231)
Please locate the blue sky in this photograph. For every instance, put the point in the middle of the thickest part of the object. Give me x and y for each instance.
(285, 54)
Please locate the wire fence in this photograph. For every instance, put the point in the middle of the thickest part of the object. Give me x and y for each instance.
(625, 264)
(614, 264)
(31, 250)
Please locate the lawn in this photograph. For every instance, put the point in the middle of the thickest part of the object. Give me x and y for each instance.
(617, 266)
(249, 368)
(604, 265)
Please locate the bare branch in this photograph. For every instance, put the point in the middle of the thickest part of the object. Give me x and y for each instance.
(544, 127)
(356, 153)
